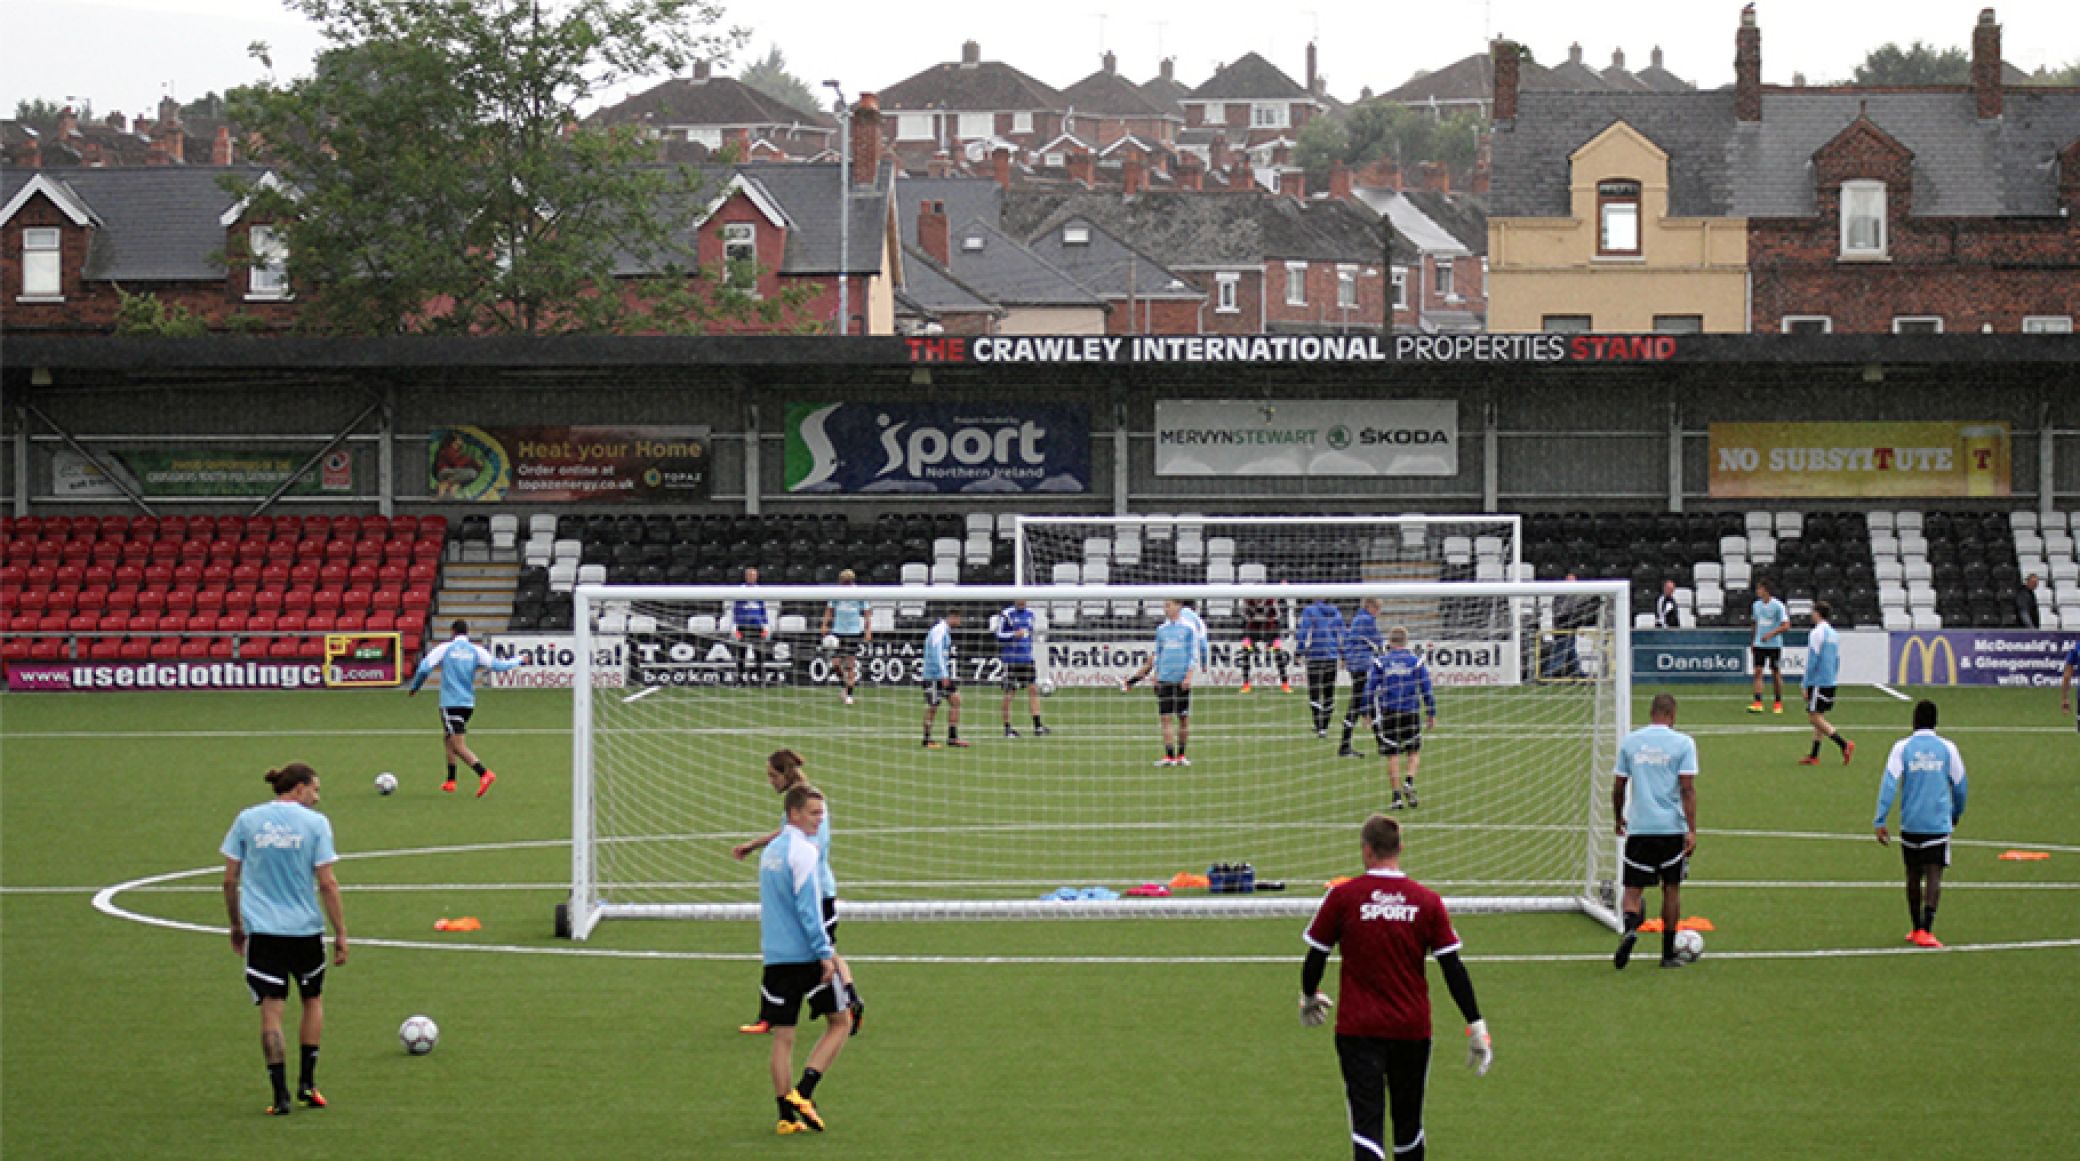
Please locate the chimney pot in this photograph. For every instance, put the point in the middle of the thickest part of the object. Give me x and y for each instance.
(701, 69)
(1000, 167)
(1340, 182)
(220, 149)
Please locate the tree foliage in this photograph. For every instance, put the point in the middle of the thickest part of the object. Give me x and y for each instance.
(146, 315)
(2068, 75)
(435, 176)
(41, 113)
(1386, 129)
(1918, 64)
(770, 76)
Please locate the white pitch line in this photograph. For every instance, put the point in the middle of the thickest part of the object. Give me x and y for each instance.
(1891, 692)
(1949, 884)
(641, 694)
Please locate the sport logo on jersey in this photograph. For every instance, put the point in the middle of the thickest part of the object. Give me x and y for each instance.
(1390, 906)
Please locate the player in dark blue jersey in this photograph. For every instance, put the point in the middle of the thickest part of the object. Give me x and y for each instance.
(1015, 629)
(1397, 689)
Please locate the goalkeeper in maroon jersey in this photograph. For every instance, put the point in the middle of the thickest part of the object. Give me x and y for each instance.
(1264, 628)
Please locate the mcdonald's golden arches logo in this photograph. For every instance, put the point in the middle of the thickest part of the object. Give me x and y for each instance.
(1927, 647)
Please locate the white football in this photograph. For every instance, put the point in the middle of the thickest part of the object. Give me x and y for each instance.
(1689, 945)
(419, 1035)
(830, 642)
(1046, 687)
(386, 783)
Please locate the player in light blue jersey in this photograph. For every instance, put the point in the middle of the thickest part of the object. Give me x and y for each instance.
(846, 620)
(1202, 645)
(1823, 664)
(784, 772)
(1016, 627)
(1659, 768)
(942, 681)
(459, 660)
(278, 859)
(1927, 773)
(1177, 649)
(800, 961)
(1771, 620)
(2065, 681)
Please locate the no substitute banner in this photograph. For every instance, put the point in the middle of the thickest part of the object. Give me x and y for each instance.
(1320, 349)
(568, 464)
(1967, 657)
(1859, 460)
(1413, 437)
(163, 473)
(985, 447)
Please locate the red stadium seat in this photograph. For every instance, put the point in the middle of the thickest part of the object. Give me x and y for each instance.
(297, 601)
(15, 649)
(49, 649)
(82, 623)
(221, 648)
(350, 623)
(91, 600)
(217, 573)
(326, 601)
(282, 551)
(32, 600)
(108, 648)
(274, 576)
(356, 600)
(197, 648)
(54, 623)
(267, 601)
(171, 622)
(285, 648)
(155, 649)
(246, 576)
(433, 526)
(98, 576)
(253, 551)
(364, 573)
(124, 599)
(261, 623)
(130, 575)
(209, 600)
(68, 576)
(382, 622)
(292, 622)
(425, 570)
(187, 576)
(180, 601)
(151, 600)
(338, 553)
(304, 575)
(202, 623)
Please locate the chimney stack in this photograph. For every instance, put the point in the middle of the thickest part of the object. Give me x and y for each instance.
(220, 149)
(1747, 69)
(1435, 176)
(701, 70)
(115, 121)
(1190, 174)
(866, 140)
(971, 55)
(169, 138)
(1506, 61)
(1168, 69)
(1111, 63)
(2069, 178)
(1133, 176)
(1618, 58)
(68, 124)
(1656, 56)
(934, 233)
(1082, 168)
(940, 165)
(1574, 53)
(1311, 89)
(1986, 66)
(1241, 178)
(1292, 183)
(1000, 167)
(1339, 182)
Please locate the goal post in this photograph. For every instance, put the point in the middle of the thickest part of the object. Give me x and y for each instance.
(675, 714)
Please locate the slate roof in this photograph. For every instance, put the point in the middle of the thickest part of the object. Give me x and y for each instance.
(1718, 168)
(987, 86)
(720, 101)
(1169, 94)
(808, 194)
(158, 223)
(1107, 266)
(930, 287)
(1249, 78)
(1411, 222)
(1112, 95)
(1186, 229)
(1002, 269)
(1463, 215)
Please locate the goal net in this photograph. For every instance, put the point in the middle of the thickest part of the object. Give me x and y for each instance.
(675, 714)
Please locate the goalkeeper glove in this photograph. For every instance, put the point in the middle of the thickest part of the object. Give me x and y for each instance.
(1314, 1010)
(1480, 1049)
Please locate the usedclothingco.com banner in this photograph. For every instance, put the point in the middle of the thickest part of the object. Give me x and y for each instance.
(568, 464)
(200, 472)
(1857, 460)
(937, 447)
(1409, 437)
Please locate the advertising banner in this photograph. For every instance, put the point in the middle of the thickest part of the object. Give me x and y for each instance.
(552, 661)
(568, 464)
(1683, 656)
(1104, 663)
(1405, 437)
(1859, 460)
(363, 659)
(129, 676)
(873, 448)
(2026, 658)
(247, 472)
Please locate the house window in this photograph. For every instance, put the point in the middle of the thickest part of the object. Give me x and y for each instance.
(1296, 284)
(1346, 286)
(1224, 293)
(2048, 324)
(268, 277)
(1808, 324)
(1678, 324)
(708, 136)
(1269, 115)
(740, 255)
(1400, 288)
(1445, 283)
(1917, 325)
(1617, 217)
(41, 276)
(969, 126)
(1216, 113)
(1076, 235)
(1566, 324)
(1863, 219)
(913, 126)
(1021, 122)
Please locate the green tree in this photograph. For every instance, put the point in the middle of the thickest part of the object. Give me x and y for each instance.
(2069, 75)
(145, 315)
(770, 76)
(435, 176)
(42, 114)
(1384, 129)
(1918, 64)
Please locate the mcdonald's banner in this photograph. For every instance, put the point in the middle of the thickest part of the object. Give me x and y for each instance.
(2019, 658)
(1860, 460)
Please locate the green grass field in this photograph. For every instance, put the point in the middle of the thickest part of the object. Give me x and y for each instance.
(1806, 1031)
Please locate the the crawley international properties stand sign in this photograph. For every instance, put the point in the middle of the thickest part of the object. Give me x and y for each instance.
(1412, 437)
(1964, 657)
(937, 447)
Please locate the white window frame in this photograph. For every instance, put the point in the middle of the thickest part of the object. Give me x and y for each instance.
(974, 126)
(1227, 287)
(1346, 286)
(1216, 113)
(1447, 281)
(708, 135)
(2047, 324)
(1400, 288)
(741, 237)
(1904, 324)
(914, 126)
(1826, 322)
(1296, 284)
(43, 264)
(1077, 234)
(1588, 324)
(1856, 207)
(267, 275)
(1021, 122)
(1269, 115)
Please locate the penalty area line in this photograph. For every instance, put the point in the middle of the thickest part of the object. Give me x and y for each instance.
(1890, 692)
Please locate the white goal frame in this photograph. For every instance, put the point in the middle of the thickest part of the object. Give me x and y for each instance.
(1378, 522)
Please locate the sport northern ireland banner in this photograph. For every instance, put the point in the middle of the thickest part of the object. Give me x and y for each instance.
(1860, 460)
(1406, 437)
(937, 447)
(568, 464)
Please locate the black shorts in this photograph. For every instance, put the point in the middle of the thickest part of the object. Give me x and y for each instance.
(1018, 675)
(1382, 1076)
(1924, 850)
(1173, 697)
(1399, 733)
(273, 960)
(1818, 699)
(1655, 858)
(1769, 657)
(786, 985)
(455, 718)
(850, 646)
(938, 689)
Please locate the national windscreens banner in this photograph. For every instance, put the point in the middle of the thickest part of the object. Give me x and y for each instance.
(568, 464)
(937, 447)
(1860, 460)
(1396, 437)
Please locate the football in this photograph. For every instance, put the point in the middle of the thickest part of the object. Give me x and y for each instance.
(386, 783)
(1689, 946)
(830, 643)
(419, 1035)
(1046, 686)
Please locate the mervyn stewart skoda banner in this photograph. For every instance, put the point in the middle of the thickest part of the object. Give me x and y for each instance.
(1401, 437)
(937, 447)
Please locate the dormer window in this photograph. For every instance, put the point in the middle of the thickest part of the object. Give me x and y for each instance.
(740, 255)
(42, 276)
(972, 243)
(1863, 219)
(1076, 235)
(268, 275)
(1617, 218)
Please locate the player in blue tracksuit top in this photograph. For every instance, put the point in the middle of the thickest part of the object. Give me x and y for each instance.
(941, 682)
(1823, 662)
(1361, 643)
(1318, 640)
(1178, 648)
(1016, 626)
(459, 660)
(1927, 773)
(1397, 686)
(800, 960)
(2065, 681)
(748, 621)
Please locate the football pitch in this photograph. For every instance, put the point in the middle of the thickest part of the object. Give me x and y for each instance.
(1810, 1029)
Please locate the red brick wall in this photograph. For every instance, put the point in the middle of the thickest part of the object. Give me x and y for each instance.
(1247, 317)
(1322, 309)
(1158, 317)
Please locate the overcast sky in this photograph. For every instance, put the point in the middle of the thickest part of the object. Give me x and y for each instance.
(125, 54)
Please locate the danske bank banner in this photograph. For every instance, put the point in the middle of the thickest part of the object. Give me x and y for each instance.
(937, 447)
